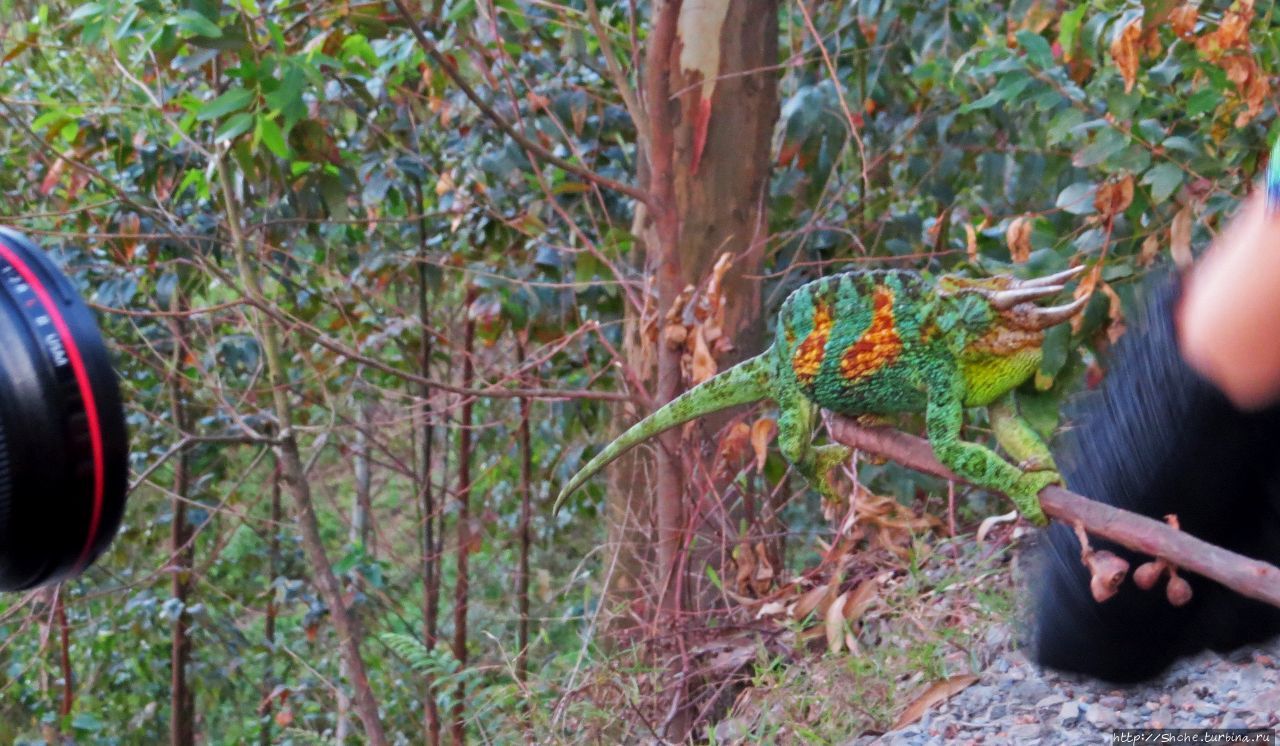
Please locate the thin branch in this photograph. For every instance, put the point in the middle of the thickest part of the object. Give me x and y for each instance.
(492, 115)
(1247, 576)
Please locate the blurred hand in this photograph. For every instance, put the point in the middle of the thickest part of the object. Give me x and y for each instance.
(1229, 319)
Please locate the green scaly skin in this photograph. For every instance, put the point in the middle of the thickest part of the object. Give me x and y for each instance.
(887, 343)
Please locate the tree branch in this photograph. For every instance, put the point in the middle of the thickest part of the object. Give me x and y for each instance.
(1247, 576)
(492, 115)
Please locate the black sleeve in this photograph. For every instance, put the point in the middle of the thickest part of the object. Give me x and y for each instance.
(1159, 439)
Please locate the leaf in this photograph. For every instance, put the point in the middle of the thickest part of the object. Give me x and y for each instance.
(1018, 237)
(1114, 196)
(1068, 26)
(194, 23)
(1183, 19)
(834, 623)
(1125, 50)
(233, 100)
(762, 432)
(87, 722)
(938, 692)
(1038, 50)
(863, 598)
(269, 132)
(702, 364)
(1077, 199)
(1107, 143)
(1057, 346)
(235, 126)
(87, 10)
(1180, 238)
(1164, 179)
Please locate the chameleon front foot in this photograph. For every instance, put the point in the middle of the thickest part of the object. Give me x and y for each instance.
(826, 459)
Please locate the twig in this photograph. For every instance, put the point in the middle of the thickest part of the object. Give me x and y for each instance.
(492, 115)
(1249, 577)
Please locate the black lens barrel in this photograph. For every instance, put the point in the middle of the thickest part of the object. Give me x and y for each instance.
(63, 444)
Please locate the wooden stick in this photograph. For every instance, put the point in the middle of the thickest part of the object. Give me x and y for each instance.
(1247, 576)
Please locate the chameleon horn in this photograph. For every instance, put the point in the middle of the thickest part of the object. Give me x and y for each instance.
(1006, 299)
(1047, 317)
(1055, 279)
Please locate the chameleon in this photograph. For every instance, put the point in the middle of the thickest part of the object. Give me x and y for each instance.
(887, 342)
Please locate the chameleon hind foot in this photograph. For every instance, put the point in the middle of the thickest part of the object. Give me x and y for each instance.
(1025, 494)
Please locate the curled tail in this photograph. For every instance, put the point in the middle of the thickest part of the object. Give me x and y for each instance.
(744, 383)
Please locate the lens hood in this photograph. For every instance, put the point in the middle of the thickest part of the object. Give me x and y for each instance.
(63, 444)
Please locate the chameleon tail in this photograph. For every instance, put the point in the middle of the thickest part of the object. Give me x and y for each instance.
(742, 384)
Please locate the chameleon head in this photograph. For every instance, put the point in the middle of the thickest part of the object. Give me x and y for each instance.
(1000, 327)
(1012, 302)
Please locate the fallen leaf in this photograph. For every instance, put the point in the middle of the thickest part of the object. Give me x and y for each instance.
(773, 608)
(991, 522)
(835, 623)
(938, 692)
(809, 601)
(863, 598)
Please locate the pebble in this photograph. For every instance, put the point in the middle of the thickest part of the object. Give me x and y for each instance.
(1017, 702)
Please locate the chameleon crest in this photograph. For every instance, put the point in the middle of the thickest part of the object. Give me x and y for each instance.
(886, 342)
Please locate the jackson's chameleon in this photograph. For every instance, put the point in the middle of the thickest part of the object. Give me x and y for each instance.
(885, 342)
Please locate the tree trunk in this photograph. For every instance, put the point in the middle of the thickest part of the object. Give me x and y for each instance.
(430, 552)
(294, 477)
(181, 697)
(458, 725)
(710, 103)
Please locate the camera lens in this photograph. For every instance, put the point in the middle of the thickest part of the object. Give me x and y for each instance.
(63, 445)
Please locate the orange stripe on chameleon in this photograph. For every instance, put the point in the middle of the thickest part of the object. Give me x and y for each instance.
(879, 345)
(808, 355)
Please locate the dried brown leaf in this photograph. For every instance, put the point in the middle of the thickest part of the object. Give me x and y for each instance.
(734, 444)
(1150, 250)
(1183, 19)
(938, 692)
(1018, 238)
(971, 242)
(863, 598)
(805, 605)
(1125, 49)
(762, 432)
(702, 365)
(1114, 195)
(835, 623)
(1115, 313)
(1180, 238)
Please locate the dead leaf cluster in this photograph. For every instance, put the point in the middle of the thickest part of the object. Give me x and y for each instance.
(695, 325)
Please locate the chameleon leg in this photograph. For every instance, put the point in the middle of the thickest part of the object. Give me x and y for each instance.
(1016, 436)
(979, 464)
(795, 433)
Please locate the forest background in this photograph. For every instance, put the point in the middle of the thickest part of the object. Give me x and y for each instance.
(379, 276)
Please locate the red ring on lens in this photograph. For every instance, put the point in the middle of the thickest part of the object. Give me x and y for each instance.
(86, 393)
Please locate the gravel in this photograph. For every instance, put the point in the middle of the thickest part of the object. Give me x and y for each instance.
(1017, 702)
